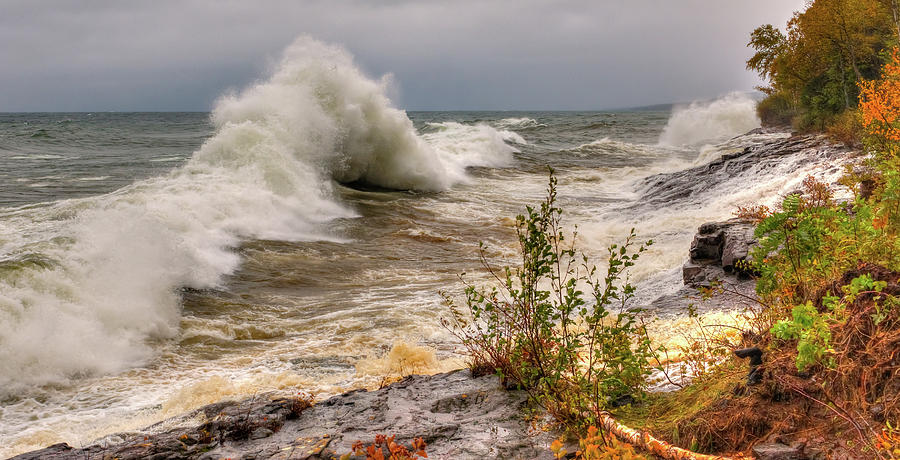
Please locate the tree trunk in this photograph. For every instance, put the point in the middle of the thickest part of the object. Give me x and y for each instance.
(895, 8)
(646, 441)
(845, 36)
(844, 83)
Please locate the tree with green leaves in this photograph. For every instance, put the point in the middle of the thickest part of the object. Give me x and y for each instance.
(814, 68)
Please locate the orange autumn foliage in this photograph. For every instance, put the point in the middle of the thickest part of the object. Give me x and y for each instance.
(879, 102)
(395, 450)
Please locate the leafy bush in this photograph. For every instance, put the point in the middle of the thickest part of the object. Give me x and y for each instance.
(809, 243)
(776, 109)
(573, 352)
(845, 128)
(812, 332)
(754, 213)
(796, 245)
(879, 103)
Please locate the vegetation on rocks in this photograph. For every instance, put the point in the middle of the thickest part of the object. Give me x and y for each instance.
(574, 352)
(385, 447)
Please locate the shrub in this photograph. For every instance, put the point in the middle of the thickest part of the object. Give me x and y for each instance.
(808, 244)
(776, 109)
(888, 442)
(573, 352)
(879, 103)
(845, 128)
(754, 213)
(799, 245)
(300, 403)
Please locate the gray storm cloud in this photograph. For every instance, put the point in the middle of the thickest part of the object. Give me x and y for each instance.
(503, 55)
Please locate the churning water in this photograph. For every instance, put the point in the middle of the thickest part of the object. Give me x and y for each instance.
(153, 263)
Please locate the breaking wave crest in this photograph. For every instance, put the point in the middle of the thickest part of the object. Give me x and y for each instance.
(464, 145)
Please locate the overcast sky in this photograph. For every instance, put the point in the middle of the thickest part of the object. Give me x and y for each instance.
(444, 55)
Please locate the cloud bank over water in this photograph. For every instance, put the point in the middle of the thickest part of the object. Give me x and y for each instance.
(527, 54)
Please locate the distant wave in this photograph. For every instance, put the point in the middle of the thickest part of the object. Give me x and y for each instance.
(114, 263)
(610, 146)
(518, 123)
(708, 122)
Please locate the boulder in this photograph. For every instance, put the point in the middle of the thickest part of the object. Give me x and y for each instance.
(700, 273)
(717, 251)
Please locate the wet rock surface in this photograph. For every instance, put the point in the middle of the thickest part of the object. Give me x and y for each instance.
(661, 189)
(457, 415)
(719, 247)
(719, 251)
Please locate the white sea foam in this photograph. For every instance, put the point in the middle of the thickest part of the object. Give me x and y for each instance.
(111, 265)
(166, 159)
(711, 152)
(708, 153)
(707, 122)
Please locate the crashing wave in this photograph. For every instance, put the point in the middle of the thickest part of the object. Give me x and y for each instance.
(708, 122)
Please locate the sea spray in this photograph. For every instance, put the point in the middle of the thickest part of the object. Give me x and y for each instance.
(708, 122)
(406, 359)
(318, 114)
(105, 286)
(670, 206)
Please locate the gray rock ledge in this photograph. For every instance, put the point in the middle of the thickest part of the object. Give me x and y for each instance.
(459, 417)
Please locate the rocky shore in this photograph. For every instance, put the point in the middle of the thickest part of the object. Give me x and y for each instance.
(458, 416)
(748, 155)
